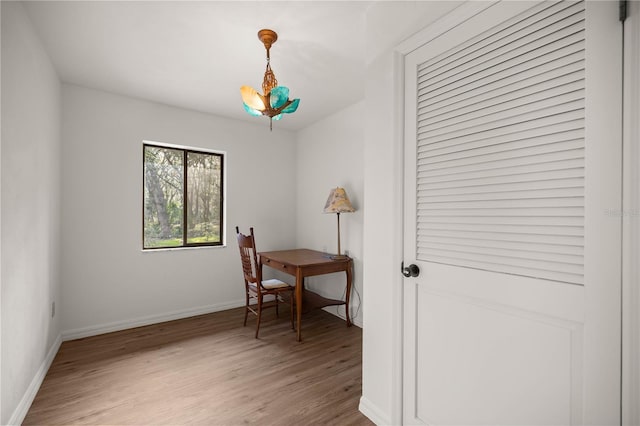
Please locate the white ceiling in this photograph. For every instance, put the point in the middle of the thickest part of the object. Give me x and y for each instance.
(196, 55)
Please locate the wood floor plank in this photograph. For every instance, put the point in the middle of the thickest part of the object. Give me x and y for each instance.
(208, 370)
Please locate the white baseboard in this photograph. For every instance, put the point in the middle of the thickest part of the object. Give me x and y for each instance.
(27, 399)
(95, 330)
(373, 413)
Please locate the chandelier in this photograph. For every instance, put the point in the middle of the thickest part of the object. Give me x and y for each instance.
(275, 100)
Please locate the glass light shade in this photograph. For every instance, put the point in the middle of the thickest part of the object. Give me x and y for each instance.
(250, 110)
(292, 107)
(252, 99)
(279, 96)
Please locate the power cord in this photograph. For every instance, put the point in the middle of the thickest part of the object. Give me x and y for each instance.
(354, 290)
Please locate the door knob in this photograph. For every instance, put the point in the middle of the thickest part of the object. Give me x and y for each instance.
(410, 271)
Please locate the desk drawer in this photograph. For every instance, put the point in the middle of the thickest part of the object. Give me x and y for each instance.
(289, 269)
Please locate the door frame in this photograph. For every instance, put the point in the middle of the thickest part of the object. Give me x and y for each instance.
(631, 219)
(631, 202)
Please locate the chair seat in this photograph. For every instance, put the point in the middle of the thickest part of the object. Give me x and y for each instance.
(272, 284)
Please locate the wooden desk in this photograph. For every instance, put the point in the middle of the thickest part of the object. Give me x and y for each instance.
(303, 263)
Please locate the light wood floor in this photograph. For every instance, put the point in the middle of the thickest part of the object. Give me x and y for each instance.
(208, 370)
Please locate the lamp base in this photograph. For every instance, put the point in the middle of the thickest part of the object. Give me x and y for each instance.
(338, 257)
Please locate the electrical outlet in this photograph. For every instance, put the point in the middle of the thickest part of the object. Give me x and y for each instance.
(53, 309)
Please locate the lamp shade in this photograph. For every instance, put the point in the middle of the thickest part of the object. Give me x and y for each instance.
(338, 202)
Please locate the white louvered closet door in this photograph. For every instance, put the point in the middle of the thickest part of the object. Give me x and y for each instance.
(512, 187)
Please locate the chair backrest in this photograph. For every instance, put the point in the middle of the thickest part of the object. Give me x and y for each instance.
(249, 257)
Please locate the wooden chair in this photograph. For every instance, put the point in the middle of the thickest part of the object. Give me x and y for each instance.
(255, 288)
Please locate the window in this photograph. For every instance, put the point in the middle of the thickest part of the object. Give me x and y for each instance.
(183, 197)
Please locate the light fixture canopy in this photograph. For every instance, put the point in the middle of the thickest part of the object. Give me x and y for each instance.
(275, 100)
(338, 202)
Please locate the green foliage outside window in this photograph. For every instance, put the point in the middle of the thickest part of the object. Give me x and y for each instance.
(182, 205)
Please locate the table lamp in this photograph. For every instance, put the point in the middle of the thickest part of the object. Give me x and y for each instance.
(338, 202)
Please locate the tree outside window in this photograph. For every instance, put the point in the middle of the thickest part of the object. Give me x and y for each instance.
(182, 197)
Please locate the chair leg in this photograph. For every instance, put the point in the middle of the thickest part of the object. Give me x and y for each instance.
(259, 315)
(246, 308)
(277, 312)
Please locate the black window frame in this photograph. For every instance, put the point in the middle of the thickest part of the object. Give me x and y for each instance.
(185, 229)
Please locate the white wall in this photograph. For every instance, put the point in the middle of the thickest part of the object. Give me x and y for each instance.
(30, 235)
(388, 23)
(108, 281)
(329, 154)
(382, 249)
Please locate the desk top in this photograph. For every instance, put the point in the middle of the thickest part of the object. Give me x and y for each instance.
(301, 257)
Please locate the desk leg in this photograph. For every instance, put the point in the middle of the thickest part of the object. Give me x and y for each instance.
(299, 284)
(348, 292)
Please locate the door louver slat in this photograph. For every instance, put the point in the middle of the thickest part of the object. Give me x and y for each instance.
(504, 30)
(500, 150)
(512, 78)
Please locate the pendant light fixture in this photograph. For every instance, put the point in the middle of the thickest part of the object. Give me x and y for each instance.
(275, 100)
